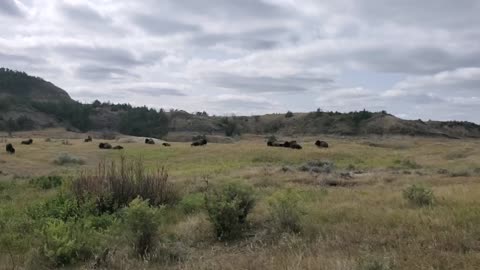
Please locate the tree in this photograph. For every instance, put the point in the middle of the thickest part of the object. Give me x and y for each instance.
(289, 114)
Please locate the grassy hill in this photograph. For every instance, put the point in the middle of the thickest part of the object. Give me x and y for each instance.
(28, 102)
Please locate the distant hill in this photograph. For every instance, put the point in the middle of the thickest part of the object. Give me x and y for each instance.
(28, 102)
(21, 85)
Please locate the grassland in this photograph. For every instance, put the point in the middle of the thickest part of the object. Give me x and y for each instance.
(354, 217)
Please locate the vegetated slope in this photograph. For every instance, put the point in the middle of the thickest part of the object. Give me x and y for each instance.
(22, 86)
(28, 102)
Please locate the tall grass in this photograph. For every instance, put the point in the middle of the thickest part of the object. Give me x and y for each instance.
(116, 183)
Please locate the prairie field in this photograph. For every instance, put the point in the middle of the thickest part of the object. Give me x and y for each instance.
(364, 203)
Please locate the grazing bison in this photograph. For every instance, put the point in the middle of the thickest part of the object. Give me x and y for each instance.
(149, 141)
(105, 146)
(118, 147)
(321, 144)
(9, 148)
(88, 139)
(27, 142)
(201, 142)
(166, 144)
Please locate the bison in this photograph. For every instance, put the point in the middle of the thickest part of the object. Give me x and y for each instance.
(166, 144)
(27, 142)
(105, 146)
(295, 145)
(9, 148)
(149, 141)
(88, 139)
(201, 142)
(321, 144)
(118, 147)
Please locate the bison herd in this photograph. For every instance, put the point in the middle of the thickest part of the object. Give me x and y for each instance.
(198, 142)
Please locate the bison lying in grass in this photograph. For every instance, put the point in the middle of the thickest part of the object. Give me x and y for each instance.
(321, 144)
(118, 147)
(149, 141)
(9, 148)
(166, 144)
(286, 144)
(89, 139)
(105, 146)
(27, 142)
(201, 142)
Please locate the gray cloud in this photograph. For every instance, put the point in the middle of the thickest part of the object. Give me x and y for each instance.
(101, 73)
(267, 84)
(155, 91)
(154, 24)
(256, 9)
(104, 55)
(10, 8)
(82, 14)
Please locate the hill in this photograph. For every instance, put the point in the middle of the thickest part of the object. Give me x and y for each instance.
(28, 102)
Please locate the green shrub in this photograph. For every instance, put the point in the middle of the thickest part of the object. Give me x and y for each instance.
(142, 222)
(228, 207)
(47, 182)
(406, 164)
(419, 195)
(286, 211)
(62, 207)
(192, 203)
(65, 243)
(67, 159)
(375, 264)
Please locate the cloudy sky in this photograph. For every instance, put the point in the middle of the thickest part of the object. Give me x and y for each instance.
(415, 59)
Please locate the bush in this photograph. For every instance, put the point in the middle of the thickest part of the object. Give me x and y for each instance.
(62, 207)
(67, 159)
(228, 207)
(65, 243)
(320, 166)
(47, 182)
(142, 222)
(286, 211)
(192, 203)
(418, 195)
(289, 114)
(114, 185)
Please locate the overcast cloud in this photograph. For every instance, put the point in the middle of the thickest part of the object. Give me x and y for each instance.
(415, 59)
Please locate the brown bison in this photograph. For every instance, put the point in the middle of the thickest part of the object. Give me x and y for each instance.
(89, 139)
(321, 144)
(166, 144)
(149, 141)
(27, 142)
(9, 148)
(105, 146)
(295, 145)
(118, 147)
(201, 142)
